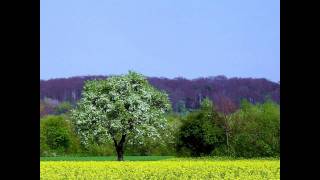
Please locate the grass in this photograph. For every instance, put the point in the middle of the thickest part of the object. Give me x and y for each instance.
(105, 158)
(145, 158)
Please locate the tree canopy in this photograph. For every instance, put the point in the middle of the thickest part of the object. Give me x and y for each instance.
(120, 107)
(200, 132)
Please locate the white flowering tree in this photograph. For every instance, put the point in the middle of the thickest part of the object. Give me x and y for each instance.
(120, 107)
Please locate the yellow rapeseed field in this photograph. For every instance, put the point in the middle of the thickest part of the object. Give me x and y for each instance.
(165, 169)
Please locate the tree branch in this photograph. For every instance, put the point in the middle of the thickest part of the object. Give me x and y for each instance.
(115, 141)
(123, 138)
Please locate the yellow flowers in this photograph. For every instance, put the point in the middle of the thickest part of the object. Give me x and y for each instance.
(166, 169)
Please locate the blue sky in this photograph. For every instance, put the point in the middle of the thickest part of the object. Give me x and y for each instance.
(163, 38)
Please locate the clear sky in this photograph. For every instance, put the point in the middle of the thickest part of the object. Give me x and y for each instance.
(163, 38)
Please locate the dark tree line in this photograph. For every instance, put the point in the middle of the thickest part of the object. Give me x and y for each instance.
(184, 94)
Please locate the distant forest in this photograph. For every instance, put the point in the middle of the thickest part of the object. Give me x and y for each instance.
(184, 94)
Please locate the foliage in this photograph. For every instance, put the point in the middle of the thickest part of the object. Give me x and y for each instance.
(56, 136)
(46, 108)
(182, 92)
(43, 145)
(256, 130)
(164, 169)
(128, 110)
(181, 108)
(63, 108)
(164, 145)
(200, 133)
(95, 149)
(120, 107)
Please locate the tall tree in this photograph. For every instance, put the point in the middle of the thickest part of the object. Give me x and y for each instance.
(225, 106)
(118, 108)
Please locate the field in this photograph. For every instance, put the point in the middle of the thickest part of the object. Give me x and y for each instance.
(158, 168)
(105, 158)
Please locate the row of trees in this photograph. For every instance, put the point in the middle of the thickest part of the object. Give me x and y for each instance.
(252, 131)
(53, 107)
(127, 113)
(183, 93)
(58, 137)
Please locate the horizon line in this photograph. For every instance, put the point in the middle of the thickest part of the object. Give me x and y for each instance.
(163, 77)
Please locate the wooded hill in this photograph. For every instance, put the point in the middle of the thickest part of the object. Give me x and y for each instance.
(183, 93)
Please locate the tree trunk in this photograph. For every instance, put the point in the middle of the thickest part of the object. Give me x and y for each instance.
(120, 153)
(227, 135)
(226, 130)
(120, 147)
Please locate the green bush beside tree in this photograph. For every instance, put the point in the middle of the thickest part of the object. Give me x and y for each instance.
(57, 136)
(256, 130)
(200, 132)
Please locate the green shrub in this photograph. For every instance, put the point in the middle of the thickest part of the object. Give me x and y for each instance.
(63, 108)
(57, 136)
(223, 151)
(43, 145)
(200, 133)
(256, 130)
(154, 147)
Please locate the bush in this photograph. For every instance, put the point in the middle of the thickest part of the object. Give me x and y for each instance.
(63, 108)
(149, 147)
(256, 130)
(57, 136)
(200, 133)
(44, 149)
(224, 151)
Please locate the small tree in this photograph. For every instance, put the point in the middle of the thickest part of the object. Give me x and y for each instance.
(225, 106)
(256, 130)
(181, 107)
(46, 108)
(200, 132)
(120, 107)
(63, 107)
(55, 134)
